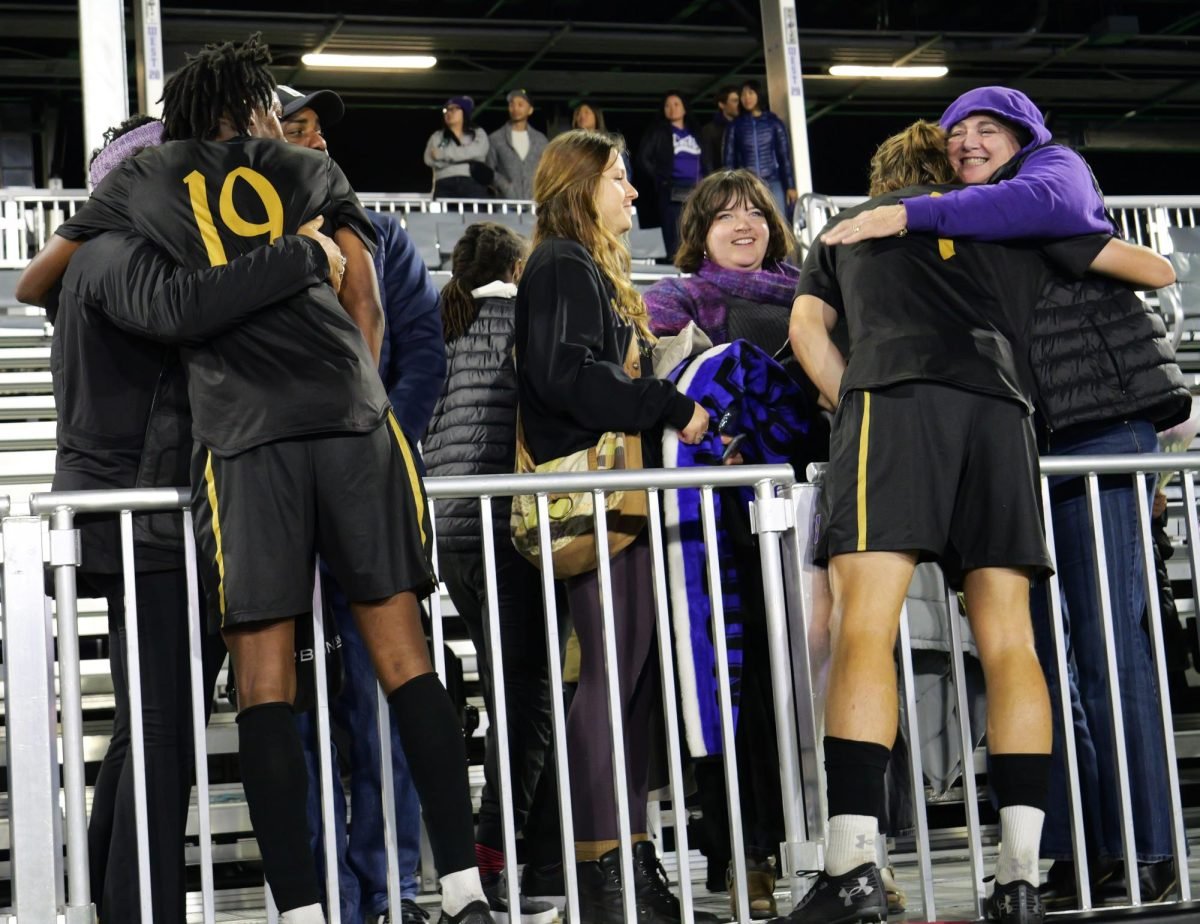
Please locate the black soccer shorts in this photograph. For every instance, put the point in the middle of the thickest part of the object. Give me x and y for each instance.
(262, 517)
(947, 473)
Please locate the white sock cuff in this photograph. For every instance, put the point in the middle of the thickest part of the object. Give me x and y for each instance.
(1020, 844)
(308, 914)
(851, 843)
(460, 889)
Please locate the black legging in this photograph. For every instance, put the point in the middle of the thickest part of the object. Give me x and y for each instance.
(526, 691)
(589, 735)
(167, 727)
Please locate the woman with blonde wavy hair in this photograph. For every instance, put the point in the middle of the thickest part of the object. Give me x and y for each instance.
(577, 315)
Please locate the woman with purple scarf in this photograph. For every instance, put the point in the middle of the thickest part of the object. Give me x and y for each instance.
(735, 244)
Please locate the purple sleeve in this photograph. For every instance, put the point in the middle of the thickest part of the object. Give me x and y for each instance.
(1054, 195)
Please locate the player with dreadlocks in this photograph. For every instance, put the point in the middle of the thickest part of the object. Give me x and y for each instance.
(297, 453)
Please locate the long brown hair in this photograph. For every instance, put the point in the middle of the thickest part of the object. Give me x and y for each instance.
(485, 252)
(564, 191)
(715, 193)
(915, 156)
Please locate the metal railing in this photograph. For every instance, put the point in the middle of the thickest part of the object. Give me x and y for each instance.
(1143, 219)
(796, 604)
(27, 219)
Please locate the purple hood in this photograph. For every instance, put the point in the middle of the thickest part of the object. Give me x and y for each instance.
(1012, 105)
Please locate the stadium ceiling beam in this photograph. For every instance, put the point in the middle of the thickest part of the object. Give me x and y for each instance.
(333, 30)
(510, 81)
(898, 62)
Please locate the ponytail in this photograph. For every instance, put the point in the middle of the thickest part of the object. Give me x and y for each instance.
(915, 156)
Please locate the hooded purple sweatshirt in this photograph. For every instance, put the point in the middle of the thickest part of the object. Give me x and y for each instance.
(1053, 195)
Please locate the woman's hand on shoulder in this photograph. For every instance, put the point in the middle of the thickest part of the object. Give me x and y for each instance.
(881, 221)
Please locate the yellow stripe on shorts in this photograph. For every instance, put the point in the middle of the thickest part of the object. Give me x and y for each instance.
(863, 445)
(211, 481)
(414, 481)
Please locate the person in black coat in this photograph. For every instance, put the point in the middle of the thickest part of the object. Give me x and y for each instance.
(672, 157)
(473, 432)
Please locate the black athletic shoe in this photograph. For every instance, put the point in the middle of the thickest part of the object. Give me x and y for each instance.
(474, 913)
(1017, 902)
(857, 897)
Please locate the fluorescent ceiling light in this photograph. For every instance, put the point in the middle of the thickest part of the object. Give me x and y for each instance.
(888, 73)
(372, 62)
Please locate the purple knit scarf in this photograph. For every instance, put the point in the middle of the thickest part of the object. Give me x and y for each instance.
(775, 286)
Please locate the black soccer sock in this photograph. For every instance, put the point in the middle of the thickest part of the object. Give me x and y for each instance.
(855, 774)
(276, 785)
(432, 737)
(1020, 779)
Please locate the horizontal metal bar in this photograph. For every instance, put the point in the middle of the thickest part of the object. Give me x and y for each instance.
(725, 476)
(134, 499)
(718, 476)
(1120, 465)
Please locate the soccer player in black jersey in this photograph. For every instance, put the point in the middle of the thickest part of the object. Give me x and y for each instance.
(297, 453)
(932, 456)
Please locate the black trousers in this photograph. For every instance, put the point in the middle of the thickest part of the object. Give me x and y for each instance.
(167, 728)
(526, 692)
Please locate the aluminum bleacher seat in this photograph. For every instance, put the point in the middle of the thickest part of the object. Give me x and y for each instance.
(647, 244)
(1181, 302)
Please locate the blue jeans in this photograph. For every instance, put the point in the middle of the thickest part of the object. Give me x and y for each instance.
(1087, 665)
(362, 858)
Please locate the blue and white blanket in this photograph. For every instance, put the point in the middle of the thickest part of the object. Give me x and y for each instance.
(778, 420)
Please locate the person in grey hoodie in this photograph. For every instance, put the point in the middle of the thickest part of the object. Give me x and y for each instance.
(515, 149)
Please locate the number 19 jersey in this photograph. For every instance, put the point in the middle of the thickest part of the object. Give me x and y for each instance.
(296, 369)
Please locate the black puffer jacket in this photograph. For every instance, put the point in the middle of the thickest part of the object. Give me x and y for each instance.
(473, 431)
(1098, 354)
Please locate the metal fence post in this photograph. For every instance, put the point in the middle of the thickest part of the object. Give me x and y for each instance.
(64, 559)
(34, 835)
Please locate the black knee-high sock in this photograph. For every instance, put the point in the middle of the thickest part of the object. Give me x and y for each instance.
(437, 758)
(276, 785)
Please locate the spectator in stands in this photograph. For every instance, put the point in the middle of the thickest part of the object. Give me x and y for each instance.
(412, 364)
(1025, 186)
(577, 315)
(123, 422)
(588, 116)
(735, 246)
(458, 154)
(473, 432)
(275, 420)
(712, 135)
(515, 148)
(671, 159)
(758, 140)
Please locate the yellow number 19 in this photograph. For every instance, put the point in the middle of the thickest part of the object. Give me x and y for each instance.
(198, 192)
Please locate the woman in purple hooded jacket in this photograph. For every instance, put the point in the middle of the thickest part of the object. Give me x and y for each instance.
(1106, 381)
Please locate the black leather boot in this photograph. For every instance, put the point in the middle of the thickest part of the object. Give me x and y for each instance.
(654, 889)
(600, 900)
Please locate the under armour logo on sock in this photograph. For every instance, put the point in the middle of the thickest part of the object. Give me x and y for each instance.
(861, 890)
(860, 842)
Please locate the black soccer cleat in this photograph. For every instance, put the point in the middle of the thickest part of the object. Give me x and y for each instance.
(856, 897)
(1016, 902)
(474, 913)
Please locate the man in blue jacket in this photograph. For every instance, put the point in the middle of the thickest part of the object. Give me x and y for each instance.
(412, 364)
